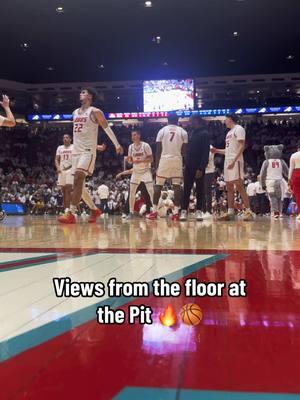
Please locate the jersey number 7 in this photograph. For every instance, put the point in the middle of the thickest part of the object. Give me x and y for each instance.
(172, 136)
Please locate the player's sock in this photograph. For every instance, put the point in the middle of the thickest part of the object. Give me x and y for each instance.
(154, 208)
(175, 210)
(230, 210)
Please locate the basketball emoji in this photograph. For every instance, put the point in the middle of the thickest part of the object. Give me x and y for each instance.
(191, 314)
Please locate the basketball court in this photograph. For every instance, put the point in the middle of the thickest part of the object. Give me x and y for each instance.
(244, 348)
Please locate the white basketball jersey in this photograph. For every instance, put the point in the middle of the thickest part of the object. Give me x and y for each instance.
(140, 152)
(172, 138)
(274, 171)
(65, 154)
(85, 131)
(232, 142)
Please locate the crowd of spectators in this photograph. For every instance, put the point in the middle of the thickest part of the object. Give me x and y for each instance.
(28, 176)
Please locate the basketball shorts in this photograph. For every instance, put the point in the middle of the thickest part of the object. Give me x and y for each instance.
(138, 177)
(65, 178)
(234, 174)
(170, 168)
(84, 162)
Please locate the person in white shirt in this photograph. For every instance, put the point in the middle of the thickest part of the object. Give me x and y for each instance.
(261, 197)
(103, 193)
(165, 204)
(171, 144)
(63, 164)
(251, 192)
(7, 121)
(294, 177)
(140, 156)
(234, 167)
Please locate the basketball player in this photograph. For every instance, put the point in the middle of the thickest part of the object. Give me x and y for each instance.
(86, 120)
(8, 121)
(171, 144)
(140, 156)
(63, 163)
(234, 167)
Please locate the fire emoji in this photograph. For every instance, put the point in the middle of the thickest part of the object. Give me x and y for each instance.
(168, 318)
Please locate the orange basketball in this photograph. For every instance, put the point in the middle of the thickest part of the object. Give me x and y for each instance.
(191, 314)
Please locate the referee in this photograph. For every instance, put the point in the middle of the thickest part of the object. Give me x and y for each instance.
(195, 163)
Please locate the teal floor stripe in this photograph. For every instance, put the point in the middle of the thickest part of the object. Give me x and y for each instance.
(11, 347)
(135, 393)
(146, 394)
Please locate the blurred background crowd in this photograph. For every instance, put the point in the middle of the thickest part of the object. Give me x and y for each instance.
(28, 175)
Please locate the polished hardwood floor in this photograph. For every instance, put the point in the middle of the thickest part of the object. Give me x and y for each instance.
(262, 234)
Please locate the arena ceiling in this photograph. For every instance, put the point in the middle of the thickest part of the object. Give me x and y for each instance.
(100, 40)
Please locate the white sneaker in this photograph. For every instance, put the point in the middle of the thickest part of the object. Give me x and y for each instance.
(207, 215)
(199, 215)
(183, 215)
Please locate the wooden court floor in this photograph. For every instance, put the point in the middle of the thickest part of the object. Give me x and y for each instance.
(115, 233)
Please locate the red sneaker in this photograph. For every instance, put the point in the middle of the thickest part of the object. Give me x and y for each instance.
(94, 215)
(175, 217)
(152, 215)
(67, 218)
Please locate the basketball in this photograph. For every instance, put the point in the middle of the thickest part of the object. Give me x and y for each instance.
(191, 314)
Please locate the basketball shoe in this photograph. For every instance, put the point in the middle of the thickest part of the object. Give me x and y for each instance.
(183, 215)
(67, 218)
(175, 217)
(94, 215)
(248, 216)
(227, 217)
(152, 215)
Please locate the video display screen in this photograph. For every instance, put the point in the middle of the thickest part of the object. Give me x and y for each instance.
(168, 95)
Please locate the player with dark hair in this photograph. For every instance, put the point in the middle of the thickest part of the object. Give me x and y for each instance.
(171, 144)
(140, 156)
(8, 121)
(63, 164)
(86, 121)
(234, 167)
(196, 160)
